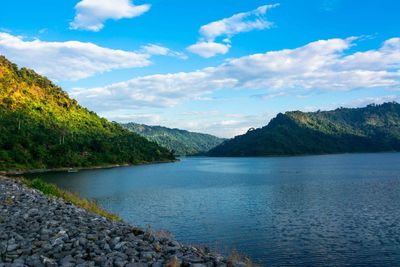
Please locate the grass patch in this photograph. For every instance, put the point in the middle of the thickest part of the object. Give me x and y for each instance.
(52, 190)
(235, 257)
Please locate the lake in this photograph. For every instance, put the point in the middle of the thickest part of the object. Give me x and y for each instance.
(336, 210)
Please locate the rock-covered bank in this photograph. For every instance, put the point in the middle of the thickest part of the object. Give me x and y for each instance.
(36, 230)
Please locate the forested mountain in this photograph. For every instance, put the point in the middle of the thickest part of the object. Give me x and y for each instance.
(180, 141)
(370, 129)
(41, 127)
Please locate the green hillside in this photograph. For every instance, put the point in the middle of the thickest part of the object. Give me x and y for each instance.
(371, 129)
(180, 141)
(41, 127)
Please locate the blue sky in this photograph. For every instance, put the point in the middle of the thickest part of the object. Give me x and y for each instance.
(219, 67)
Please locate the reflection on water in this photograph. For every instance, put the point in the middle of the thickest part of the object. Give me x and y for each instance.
(331, 210)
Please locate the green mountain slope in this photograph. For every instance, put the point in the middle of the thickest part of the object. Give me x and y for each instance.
(180, 141)
(41, 127)
(370, 129)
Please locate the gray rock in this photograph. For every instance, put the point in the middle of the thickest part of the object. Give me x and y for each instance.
(12, 247)
(148, 255)
(174, 243)
(18, 263)
(67, 259)
(194, 259)
(33, 212)
(157, 264)
(48, 262)
(58, 241)
(82, 241)
(120, 263)
(115, 240)
(137, 264)
(120, 245)
(170, 249)
(92, 237)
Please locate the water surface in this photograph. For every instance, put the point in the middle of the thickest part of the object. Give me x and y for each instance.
(336, 210)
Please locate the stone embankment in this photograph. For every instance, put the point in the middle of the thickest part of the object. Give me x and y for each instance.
(36, 230)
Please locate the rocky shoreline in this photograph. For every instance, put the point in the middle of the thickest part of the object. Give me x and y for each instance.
(36, 230)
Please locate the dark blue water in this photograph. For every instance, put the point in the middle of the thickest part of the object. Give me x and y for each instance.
(335, 210)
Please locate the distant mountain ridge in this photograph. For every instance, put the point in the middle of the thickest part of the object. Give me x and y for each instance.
(345, 130)
(41, 127)
(181, 142)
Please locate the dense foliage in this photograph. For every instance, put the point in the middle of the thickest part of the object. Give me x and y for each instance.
(180, 141)
(41, 127)
(370, 129)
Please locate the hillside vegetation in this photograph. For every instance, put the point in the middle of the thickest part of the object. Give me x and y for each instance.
(370, 129)
(41, 127)
(180, 141)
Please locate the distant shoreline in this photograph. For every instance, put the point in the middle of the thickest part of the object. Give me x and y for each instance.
(300, 155)
(73, 169)
(112, 166)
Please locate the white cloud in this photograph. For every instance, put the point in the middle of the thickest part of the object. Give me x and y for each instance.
(213, 122)
(362, 102)
(387, 57)
(158, 50)
(318, 66)
(92, 14)
(269, 96)
(160, 90)
(223, 124)
(354, 103)
(208, 121)
(238, 23)
(227, 28)
(209, 49)
(126, 116)
(70, 60)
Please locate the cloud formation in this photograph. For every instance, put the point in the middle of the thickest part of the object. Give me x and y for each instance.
(318, 66)
(70, 60)
(238, 23)
(158, 50)
(92, 14)
(362, 102)
(228, 27)
(209, 49)
(160, 90)
(222, 124)
(213, 122)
